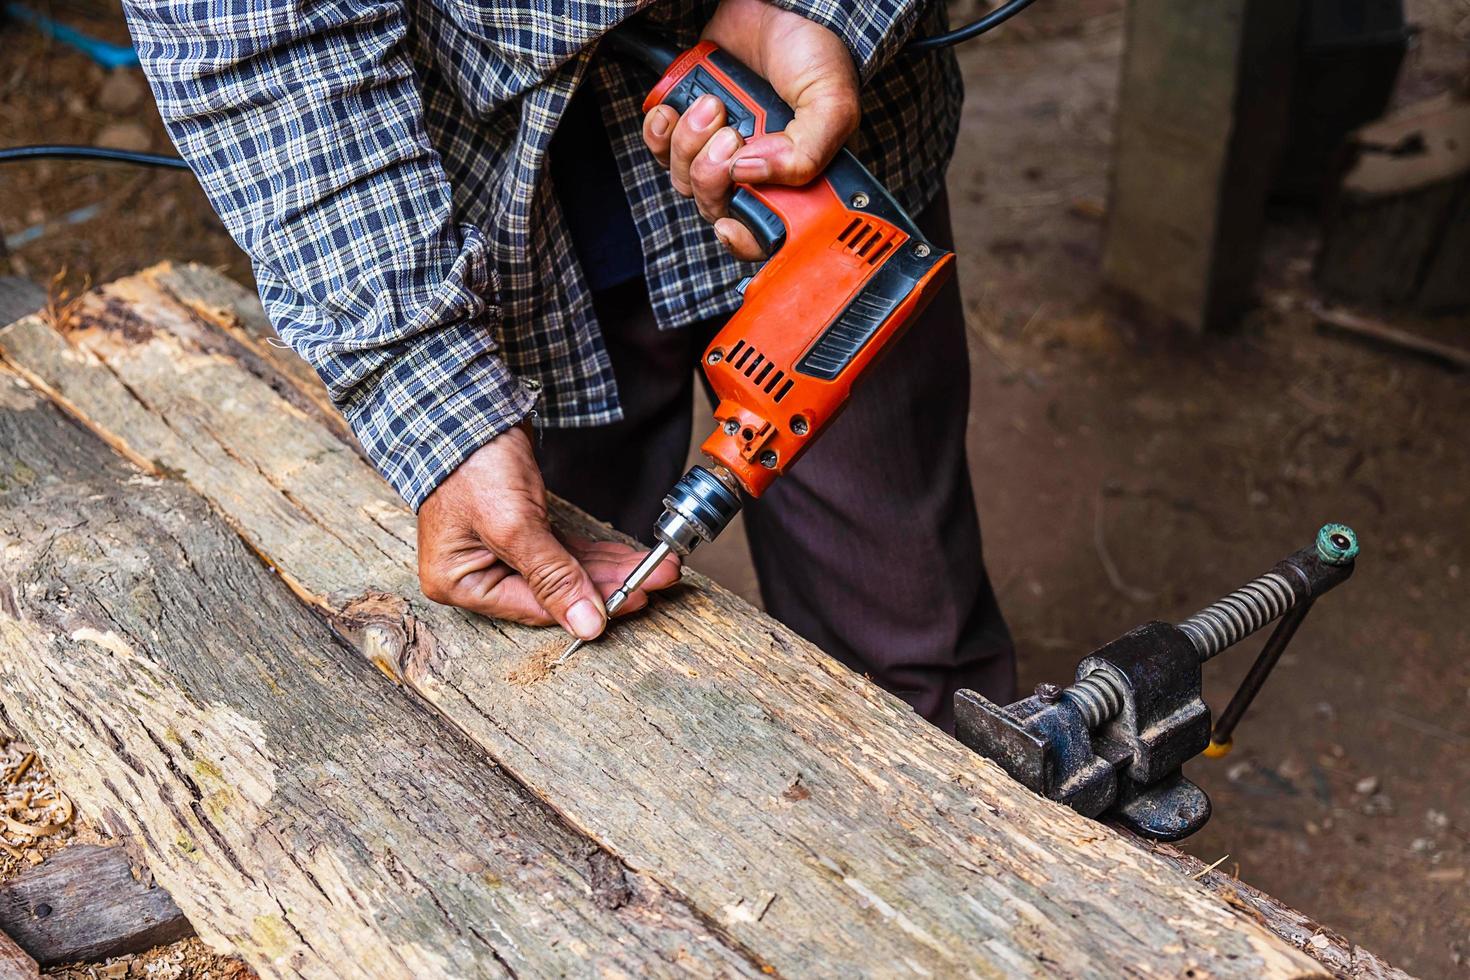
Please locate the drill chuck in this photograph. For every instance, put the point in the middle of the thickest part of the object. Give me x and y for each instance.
(698, 508)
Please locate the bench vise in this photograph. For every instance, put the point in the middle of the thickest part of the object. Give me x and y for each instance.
(1113, 743)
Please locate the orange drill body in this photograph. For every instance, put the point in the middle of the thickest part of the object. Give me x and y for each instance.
(848, 272)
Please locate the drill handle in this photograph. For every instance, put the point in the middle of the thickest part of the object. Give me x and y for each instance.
(847, 271)
(753, 109)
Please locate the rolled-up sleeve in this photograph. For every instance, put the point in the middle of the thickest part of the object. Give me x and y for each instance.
(304, 125)
(872, 31)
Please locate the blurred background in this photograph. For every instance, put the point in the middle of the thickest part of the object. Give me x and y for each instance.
(1216, 258)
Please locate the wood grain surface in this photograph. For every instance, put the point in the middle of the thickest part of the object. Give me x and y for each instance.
(297, 806)
(800, 810)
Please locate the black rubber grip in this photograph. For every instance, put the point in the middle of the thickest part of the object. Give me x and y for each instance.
(769, 231)
(869, 310)
(763, 223)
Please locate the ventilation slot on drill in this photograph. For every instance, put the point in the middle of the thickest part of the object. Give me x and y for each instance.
(864, 240)
(754, 365)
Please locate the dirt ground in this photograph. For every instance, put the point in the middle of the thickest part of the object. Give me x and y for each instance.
(1124, 472)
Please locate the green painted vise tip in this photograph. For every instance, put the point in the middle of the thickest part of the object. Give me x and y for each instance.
(1337, 544)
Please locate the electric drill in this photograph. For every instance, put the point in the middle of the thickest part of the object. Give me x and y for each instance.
(847, 272)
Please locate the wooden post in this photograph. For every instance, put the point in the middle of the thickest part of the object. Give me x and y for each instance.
(1202, 111)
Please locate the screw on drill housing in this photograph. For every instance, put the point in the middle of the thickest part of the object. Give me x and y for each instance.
(768, 459)
(715, 357)
(800, 426)
(859, 200)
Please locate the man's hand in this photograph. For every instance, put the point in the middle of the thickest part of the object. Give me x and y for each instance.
(808, 66)
(485, 544)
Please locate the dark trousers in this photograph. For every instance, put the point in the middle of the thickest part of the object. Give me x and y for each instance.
(870, 545)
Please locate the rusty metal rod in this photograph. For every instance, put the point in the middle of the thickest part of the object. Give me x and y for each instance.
(1255, 678)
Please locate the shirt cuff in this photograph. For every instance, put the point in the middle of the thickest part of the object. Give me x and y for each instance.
(872, 31)
(429, 408)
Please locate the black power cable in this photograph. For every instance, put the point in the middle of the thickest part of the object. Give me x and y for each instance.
(64, 152)
(921, 45)
(991, 20)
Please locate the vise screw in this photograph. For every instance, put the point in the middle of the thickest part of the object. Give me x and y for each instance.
(1113, 743)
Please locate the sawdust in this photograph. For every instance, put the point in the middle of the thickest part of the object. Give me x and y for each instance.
(188, 959)
(535, 667)
(36, 818)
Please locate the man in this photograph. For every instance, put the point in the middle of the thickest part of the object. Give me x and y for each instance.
(455, 214)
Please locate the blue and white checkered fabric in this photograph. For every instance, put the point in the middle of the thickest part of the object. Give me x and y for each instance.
(383, 164)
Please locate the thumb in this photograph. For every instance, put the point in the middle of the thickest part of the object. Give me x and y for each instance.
(559, 582)
(825, 116)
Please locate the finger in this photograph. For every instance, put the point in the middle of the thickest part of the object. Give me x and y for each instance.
(710, 174)
(825, 117)
(559, 582)
(506, 596)
(587, 550)
(738, 239)
(658, 131)
(668, 572)
(695, 127)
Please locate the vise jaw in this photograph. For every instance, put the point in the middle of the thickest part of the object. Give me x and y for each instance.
(1113, 743)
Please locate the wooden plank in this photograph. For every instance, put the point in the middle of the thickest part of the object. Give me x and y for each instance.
(1380, 333)
(83, 904)
(1334, 951)
(215, 296)
(1202, 112)
(792, 803)
(14, 963)
(300, 810)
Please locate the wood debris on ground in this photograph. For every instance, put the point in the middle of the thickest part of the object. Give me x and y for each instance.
(36, 817)
(188, 959)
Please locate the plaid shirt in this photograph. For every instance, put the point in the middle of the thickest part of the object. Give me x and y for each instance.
(383, 164)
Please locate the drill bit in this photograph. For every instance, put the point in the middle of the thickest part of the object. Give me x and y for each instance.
(615, 601)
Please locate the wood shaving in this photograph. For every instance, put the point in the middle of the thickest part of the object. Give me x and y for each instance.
(188, 959)
(62, 302)
(36, 817)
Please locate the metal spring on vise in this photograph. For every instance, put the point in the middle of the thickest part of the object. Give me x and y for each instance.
(1221, 624)
(1229, 620)
(1096, 697)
